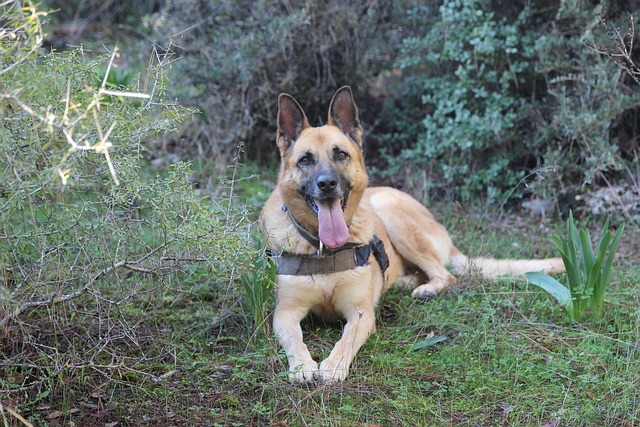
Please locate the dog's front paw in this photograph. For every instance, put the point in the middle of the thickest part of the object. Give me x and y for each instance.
(331, 372)
(303, 371)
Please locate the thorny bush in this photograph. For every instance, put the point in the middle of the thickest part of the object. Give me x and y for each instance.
(89, 241)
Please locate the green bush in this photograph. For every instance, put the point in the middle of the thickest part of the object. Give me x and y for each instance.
(90, 239)
(586, 99)
(481, 99)
(505, 98)
(465, 67)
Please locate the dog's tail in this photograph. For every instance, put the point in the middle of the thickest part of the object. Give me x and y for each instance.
(493, 268)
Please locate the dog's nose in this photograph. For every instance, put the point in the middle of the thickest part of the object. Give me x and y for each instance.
(326, 182)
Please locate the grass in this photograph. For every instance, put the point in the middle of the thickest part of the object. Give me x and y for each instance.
(510, 357)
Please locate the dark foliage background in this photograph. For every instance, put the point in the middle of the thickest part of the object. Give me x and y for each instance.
(460, 98)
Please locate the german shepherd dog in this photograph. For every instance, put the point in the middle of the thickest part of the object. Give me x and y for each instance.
(339, 245)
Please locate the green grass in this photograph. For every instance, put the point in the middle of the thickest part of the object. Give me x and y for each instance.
(511, 357)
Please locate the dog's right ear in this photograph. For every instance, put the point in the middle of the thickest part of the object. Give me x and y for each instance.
(291, 122)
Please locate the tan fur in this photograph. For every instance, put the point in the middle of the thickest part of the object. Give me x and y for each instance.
(413, 239)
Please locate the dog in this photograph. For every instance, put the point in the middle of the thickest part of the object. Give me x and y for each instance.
(339, 244)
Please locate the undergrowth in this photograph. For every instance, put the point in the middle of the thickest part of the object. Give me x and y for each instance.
(509, 357)
(93, 243)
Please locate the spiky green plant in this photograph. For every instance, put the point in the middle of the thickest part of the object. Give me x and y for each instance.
(258, 286)
(588, 272)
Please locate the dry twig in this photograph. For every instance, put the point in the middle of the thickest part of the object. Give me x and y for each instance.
(622, 50)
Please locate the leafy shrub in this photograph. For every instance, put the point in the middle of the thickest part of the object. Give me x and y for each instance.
(503, 95)
(90, 241)
(587, 97)
(467, 63)
(77, 21)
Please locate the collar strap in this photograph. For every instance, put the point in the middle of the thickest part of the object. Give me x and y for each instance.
(347, 257)
(305, 265)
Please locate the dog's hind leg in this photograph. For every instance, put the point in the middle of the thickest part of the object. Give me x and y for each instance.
(423, 287)
(439, 279)
(419, 239)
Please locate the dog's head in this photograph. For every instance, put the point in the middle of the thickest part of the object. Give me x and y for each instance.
(322, 176)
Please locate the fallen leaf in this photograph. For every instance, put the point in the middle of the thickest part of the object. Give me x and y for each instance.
(57, 414)
(53, 415)
(429, 342)
(100, 414)
(8, 402)
(507, 408)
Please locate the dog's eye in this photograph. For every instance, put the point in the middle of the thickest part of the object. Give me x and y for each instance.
(341, 155)
(304, 160)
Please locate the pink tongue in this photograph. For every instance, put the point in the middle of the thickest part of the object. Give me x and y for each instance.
(332, 228)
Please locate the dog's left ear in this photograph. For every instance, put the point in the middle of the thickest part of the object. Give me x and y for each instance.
(343, 113)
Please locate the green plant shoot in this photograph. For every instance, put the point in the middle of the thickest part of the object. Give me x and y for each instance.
(258, 286)
(588, 271)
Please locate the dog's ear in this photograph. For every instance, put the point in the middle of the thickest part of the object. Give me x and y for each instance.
(291, 122)
(343, 113)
